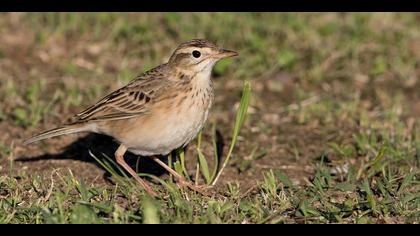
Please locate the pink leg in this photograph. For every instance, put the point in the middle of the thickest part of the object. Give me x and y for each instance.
(119, 156)
(181, 180)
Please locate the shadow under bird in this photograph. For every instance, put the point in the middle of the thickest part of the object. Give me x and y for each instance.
(157, 112)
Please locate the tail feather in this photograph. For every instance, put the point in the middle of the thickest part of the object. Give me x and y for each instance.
(55, 132)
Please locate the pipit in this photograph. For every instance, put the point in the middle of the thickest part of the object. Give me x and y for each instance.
(157, 112)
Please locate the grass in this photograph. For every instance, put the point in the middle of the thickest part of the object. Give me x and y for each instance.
(272, 201)
(331, 133)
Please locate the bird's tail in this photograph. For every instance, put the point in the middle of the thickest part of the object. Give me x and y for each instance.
(56, 132)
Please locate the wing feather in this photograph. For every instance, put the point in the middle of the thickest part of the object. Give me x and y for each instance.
(129, 101)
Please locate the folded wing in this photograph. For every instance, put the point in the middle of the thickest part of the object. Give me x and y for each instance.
(129, 101)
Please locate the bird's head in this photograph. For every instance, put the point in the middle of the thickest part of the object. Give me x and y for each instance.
(198, 55)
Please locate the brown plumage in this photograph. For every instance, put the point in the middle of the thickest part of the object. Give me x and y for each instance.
(158, 111)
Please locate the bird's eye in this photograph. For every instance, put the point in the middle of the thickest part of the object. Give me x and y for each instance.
(196, 54)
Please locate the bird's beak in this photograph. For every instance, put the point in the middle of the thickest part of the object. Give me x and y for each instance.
(223, 53)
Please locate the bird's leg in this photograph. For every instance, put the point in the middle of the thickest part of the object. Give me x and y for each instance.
(119, 156)
(181, 180)
(179, 177)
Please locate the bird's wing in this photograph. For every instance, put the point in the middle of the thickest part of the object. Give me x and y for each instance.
(129, 101)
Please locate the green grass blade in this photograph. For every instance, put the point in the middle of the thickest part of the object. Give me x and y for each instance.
(105, 165)
(178, 168)
(370, 198)
(240, 118)
(216, 157)
(170, 166)
(406, 181)
(204, 166)
(182, 160)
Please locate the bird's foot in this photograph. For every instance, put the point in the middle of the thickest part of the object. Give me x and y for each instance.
(202, 189)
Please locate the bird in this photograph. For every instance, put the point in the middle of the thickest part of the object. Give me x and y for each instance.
(157, 112)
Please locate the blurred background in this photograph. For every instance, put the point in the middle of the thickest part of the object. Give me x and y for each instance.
(341, 87)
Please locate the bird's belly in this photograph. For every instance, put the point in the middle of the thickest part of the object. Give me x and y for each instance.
(159, 135)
